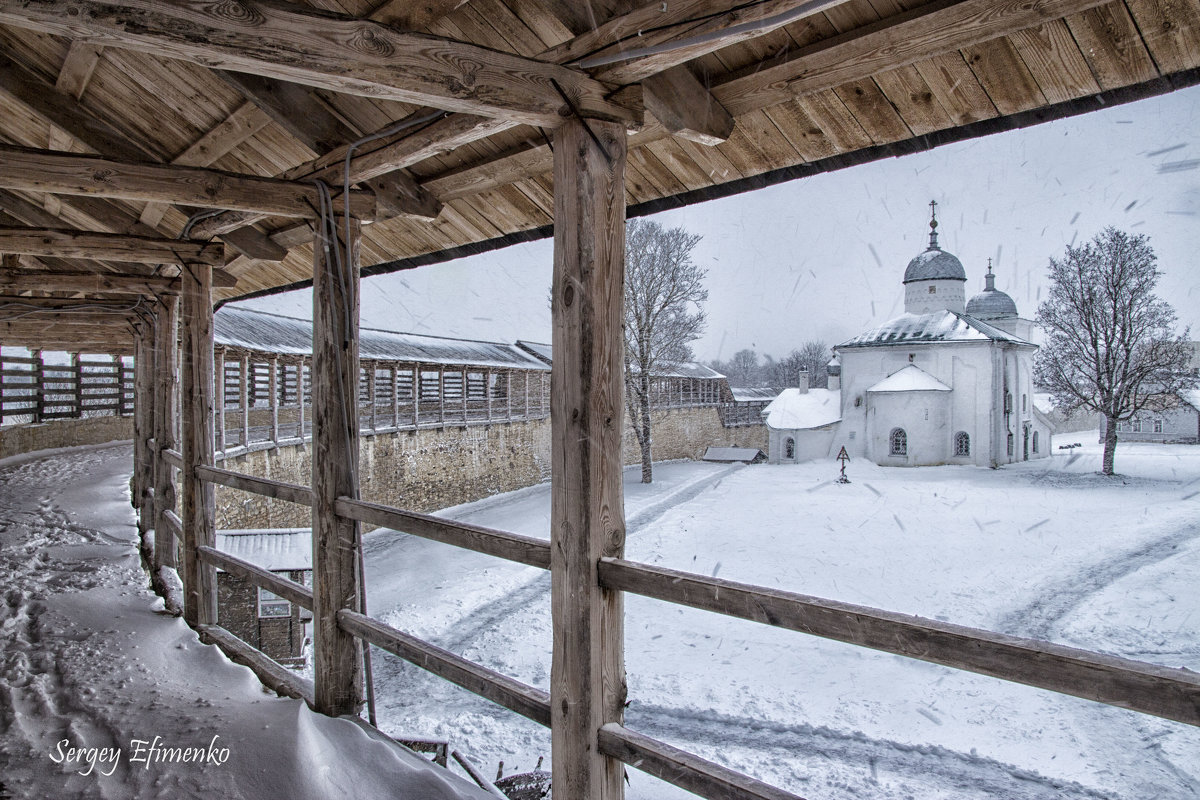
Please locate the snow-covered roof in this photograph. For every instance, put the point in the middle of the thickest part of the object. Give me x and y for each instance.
(729, 454)
(797, 410)
(747, 394)
(935, 264)
(1191, 397)
(910, 378)
(666, 369)
(938, 326)
(1043, 402)
(272, 333)
(275, 549)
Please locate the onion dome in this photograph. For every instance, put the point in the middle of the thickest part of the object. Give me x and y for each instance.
(991, 303)
(935, 264)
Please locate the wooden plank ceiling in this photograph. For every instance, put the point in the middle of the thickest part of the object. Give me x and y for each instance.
(736, 94)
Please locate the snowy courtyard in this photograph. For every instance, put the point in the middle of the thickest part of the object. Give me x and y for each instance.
(1046, 549)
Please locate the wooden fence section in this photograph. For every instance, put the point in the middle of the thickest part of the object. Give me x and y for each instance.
(33, 391)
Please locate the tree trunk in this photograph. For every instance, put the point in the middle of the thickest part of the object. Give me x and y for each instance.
(1110, 445)
(644, 435)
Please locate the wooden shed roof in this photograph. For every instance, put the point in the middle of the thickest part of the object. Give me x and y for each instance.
(721, 95)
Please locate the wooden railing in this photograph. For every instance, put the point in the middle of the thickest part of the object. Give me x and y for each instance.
(32, 390)
(1150, 689)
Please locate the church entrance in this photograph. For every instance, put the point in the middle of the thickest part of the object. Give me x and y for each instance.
(1026, 449)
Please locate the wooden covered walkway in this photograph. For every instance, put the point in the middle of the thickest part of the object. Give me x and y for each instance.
(160, 157)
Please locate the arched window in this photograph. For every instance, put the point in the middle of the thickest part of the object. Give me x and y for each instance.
(789, 448)
(898, 442)
(962, 444)
(1035, 441)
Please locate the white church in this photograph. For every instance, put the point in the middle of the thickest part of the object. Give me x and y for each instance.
(948, 382)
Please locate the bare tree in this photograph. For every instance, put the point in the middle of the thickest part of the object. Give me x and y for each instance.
(1110, 345)
(663, 292)
(742, 369)
(813, 355)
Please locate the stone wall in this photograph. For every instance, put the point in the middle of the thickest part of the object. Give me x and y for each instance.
(18, 439)
(434, 468)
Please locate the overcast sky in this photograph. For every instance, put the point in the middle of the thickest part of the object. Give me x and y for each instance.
(823, 257)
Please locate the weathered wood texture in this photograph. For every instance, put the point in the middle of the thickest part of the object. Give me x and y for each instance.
(335, 540)
(1151, 689)
(278, 678)
(587, 682)
(288, 590)
(331, 52)
(86, 282)
(111, 246)
(510, 546)
(500, 689)
(72, 174)
(685, 770)
(196, 445)
(290, 492)
(166, 408)
(145, 364)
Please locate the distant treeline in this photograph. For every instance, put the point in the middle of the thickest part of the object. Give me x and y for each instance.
(747, 368)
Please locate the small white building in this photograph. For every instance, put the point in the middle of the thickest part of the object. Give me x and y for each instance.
(948, 382)
(802, 423)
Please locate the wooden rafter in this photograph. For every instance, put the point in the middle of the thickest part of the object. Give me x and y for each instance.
(60, 173)
(329, 51)
(109, 246)
(86, 282)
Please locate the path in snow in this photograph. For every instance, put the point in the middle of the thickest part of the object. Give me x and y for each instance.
(88, 660)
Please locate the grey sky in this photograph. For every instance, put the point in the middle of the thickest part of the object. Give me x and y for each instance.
(823, 257)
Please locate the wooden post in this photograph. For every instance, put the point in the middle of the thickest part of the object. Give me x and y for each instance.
(466, 379)
(587, 682)
(442, 396)
(77, 373)
(338, 667)
(508, 376)
(143, 423)
(39, 386)
(372, 388)
(244, 396)
(220, 409)
(416, 396)
(526, 383)
(165, 342)
(197, 398)
(300, 396)
(395, 395)
(487, 390)
(274, 389)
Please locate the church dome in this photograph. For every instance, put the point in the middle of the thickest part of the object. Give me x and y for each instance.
(935, 264)
(991, 303)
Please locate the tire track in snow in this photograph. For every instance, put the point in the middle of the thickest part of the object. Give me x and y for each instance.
(950, 770)
(1055, 600)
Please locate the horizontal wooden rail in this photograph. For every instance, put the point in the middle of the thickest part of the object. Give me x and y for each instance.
(291, 492)
(174, 458)
(684, 769)
(288, 590)
(174, 523)
(510, 546)
(500, 689)
(271, 673)
(1151, 689)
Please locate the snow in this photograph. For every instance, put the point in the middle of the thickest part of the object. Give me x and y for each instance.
(95, 679)
(910, 379)
(796, 410)
(1047, 549)
(939, 326)
(274, 549)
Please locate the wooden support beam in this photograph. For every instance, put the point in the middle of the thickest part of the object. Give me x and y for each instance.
(144, 364)
(329, 51)
(20, 210)
(112, 246)
(166, 345)
(196, 401)
(335, 540)
(295, 108)
(410, 16)
(77, 68)
(587, 518)
(87, 282)
(710, 24)
(62, 173)
(684, 106)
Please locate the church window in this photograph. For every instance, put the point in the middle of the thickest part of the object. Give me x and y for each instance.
(962, 444)
(1035, 441)
(1137, 426)
(1158, 426)
(1008, 402)
(790, 448)
(1121, 426)
(1011, 440)
(898, 442)
(1024, 403)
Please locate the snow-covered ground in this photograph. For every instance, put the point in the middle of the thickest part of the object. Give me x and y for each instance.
(1047, 549)
(95, 680)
